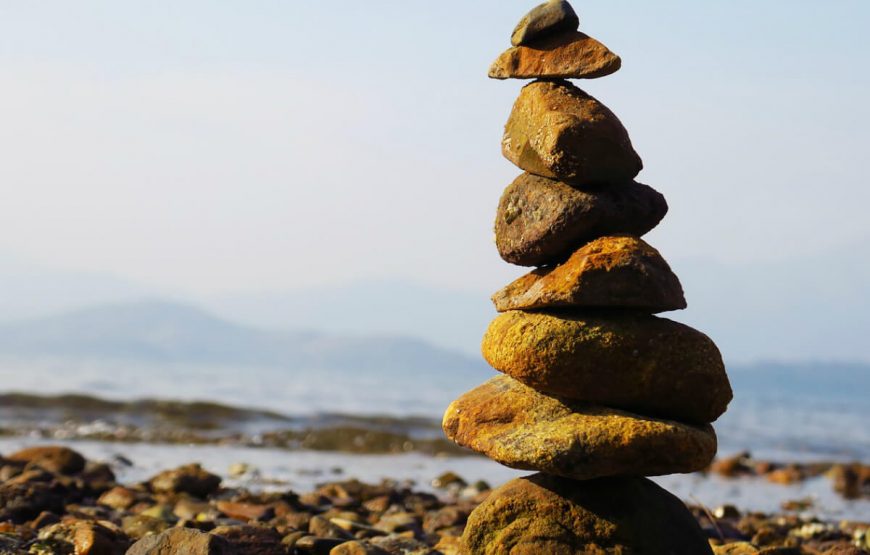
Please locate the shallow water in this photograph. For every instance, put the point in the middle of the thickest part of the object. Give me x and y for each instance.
(792, 426)
(302, 470)
(773, 425)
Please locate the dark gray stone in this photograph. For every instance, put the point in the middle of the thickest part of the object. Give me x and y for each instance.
(549, 18)
(542, 221)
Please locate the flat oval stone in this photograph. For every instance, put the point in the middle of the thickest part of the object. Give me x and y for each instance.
(521, 428)
(556, 130)
(542, 221)
(570, 55)
(619, 359)
(545, 19)
(547, 514)
(611, 272)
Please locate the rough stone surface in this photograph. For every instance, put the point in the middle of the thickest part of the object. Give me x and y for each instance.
(357, 548)
(527, 430)
(450, 545)
(554, 16)
(61, 460)
(316, 546)
(139, 526)
(738, 548)
(191, 478)
(181, 540)
(87, 538)
(545, 514)
(571, 55)
(404, 545)
(620, 359)
(245, 511)
(541, 221)
(119, 498)
(20, 502)
(611, 272)
(556, 130)
(251, 540)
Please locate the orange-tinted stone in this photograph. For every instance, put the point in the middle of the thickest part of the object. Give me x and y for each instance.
(569, 55)
(521, 428)
(556, 130)
(611, 272)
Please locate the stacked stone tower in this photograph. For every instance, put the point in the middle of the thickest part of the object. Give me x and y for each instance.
(596, 391)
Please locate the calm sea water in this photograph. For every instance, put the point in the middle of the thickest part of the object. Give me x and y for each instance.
(790, 426)
(801, 426)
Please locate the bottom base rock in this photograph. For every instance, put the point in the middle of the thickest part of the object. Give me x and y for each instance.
(615, 516)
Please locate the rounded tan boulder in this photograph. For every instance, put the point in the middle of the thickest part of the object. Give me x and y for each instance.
(556, 130)
(546, 514)
(619, 359)
(524, 429)
(611, 272)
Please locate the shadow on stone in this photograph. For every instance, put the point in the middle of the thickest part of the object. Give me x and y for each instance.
(547, 514)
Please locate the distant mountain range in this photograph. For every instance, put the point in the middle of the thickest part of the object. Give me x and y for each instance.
(809, 309)
(28, 290)
(164, 332)
(813, 308)
(169, 350)
(452, 319)
(167, 332)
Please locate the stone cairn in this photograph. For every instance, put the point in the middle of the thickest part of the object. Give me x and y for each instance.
(597, 392)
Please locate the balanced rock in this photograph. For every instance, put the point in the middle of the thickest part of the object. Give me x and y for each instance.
(612, 272)
(571, 55)
(547, 514)
(626, 360)
(541, 221)
(552, 17)
(521, 428)
(556, 130)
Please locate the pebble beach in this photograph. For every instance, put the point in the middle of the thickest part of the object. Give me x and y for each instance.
(88, 497)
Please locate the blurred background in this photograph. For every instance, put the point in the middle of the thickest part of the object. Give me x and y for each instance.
(288, 207)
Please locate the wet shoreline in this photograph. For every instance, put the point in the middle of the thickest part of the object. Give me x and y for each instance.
(296, 450)
(397, 502)
(31, 418)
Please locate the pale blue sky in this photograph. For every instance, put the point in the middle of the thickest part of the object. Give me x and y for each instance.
(213, 146)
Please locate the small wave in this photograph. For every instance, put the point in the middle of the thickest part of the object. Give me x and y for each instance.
(86, 417)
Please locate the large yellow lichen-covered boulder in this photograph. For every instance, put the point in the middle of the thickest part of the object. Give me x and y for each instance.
(524, 429)
(545, 514)
(556, 130)
(610, 272)
(627, 360)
